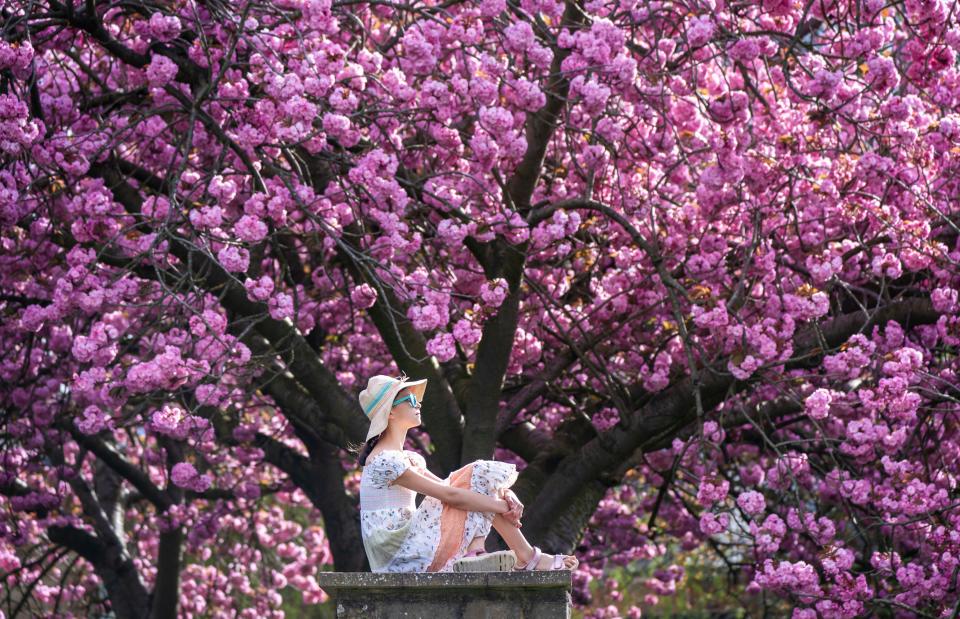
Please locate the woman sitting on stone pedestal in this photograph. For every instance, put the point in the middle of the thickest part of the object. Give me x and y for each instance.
(447, 531)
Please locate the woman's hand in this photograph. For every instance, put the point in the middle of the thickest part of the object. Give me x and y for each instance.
(515, 511)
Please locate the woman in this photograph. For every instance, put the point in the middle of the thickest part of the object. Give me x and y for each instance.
(446, 532)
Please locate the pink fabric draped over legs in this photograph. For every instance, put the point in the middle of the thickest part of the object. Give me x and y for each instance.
(452, 521)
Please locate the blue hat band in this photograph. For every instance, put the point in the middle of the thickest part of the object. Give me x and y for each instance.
(379, 397)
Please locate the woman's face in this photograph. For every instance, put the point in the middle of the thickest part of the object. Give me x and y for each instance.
(405, 414)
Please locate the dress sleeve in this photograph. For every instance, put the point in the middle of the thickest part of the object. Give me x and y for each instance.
(418, 460)
(389, 466)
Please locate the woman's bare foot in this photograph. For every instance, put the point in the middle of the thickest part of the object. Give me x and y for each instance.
(545, 561)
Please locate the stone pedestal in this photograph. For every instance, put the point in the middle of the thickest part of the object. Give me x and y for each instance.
(448, 595)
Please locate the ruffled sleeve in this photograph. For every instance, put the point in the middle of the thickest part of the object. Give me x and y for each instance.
(387, 466)
(418, 460)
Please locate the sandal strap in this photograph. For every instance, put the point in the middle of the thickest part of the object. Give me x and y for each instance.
(532, 563)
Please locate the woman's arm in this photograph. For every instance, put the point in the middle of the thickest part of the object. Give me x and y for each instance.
(461, 498)
(430, 474)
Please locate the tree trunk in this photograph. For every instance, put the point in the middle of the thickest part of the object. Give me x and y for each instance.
(166, 588)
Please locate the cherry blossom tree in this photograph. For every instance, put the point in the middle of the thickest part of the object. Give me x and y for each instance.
(691, 264)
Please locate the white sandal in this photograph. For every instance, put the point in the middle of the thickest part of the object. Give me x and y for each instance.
(479, 561)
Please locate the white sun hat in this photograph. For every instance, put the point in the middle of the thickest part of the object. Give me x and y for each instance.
(377, 399)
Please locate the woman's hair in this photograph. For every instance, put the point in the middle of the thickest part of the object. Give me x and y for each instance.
(364, 449)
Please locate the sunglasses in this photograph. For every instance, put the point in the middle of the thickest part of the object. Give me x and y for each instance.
(413, 400)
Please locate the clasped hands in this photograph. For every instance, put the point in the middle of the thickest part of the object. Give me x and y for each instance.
(516, 507)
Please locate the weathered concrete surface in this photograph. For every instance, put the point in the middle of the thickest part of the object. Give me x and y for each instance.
(448, 595)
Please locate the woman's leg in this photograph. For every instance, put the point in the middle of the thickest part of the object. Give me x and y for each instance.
(522, 548)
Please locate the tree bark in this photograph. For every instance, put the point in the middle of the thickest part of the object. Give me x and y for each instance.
(166, 589)
(128, 596)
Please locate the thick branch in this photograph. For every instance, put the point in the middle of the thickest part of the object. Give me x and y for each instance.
(166, 589)
(486, 385)
(496, 344)
(669, 412)
(542, 124)
(108, 454)
(309, 421)
(407, 346)
(128, 596)
(79, 541)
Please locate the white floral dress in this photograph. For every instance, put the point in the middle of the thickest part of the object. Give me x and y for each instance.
(397, 535)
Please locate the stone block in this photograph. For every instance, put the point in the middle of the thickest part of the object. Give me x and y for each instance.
(448, 595)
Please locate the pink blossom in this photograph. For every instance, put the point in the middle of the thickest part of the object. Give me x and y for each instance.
(223, 190)
(518, 37)
(797, 577)
(206, 217)
(452, 233)
(605, 418)
(160, 71)
(259, 289)
(364, 296)
(711, 524)
(769, 535)
(823, 268)
(250, 229)
(713, 432)
(745, 368)
(169, 420)
(281, 306)
(825, 83)
(340, 128)
(164, 27)
(497, 120)
(944, 300)
(186, 476)
(777, 7)
(247, 489)
(888, 265)
(234, 259)
(428, 317)
(419, 55)
(491, 8)
(710, 319)
(93, 420)
(33, 318)
(882, 73)
(744, 50)
(156, 206)
(699, 31)
(17, 57)
(465, 333)
(442, 346)
(817, 404)
(527, 95)
(9, 561)
(712, 490)
(165, 371)
(208, 321)
(400, 150)
(751, 502)
(17, 131)
(494, 292)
